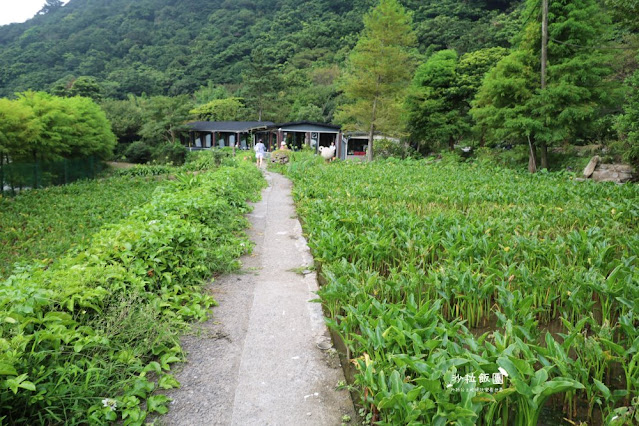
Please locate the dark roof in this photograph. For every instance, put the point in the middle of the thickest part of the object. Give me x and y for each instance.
(227, 126)
(308, 123)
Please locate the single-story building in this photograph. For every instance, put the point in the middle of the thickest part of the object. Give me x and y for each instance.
(220, 134)
(244, 135)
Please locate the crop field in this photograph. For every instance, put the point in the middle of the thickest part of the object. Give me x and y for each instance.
(42, 225)
(91, 338)
(478, 296)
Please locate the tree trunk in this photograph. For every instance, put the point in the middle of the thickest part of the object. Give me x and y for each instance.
(532, 156)
(451, 143)
(371, 133)
(369, 150)
(544, 155)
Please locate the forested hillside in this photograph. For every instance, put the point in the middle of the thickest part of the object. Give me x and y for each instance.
(472, 69)
(173, 47)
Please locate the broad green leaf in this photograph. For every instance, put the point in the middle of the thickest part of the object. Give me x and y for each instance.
(167, 381)
(7, 369)
(158, 404)
(602, 388)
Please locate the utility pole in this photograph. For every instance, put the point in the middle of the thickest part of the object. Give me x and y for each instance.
(544, 65)
(544, 41)
(532, 150)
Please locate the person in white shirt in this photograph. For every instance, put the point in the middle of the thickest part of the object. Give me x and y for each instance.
(260, 151)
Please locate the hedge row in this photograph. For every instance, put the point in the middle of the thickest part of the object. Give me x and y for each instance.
(90, 339)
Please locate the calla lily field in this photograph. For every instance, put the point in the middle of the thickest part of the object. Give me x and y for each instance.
(468, 295)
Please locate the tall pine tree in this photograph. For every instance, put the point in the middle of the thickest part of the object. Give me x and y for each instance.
(379, 72)
(511, 100)
(261, 81)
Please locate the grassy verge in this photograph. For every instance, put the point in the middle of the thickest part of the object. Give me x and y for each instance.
(90, 338)
(478, 295)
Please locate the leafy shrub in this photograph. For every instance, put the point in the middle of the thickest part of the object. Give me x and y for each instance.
(451, 157)
(119, 153)
(281, 156)
(138, 152)
(206, 159)
(80, 339)
(385, 148)
(298, 161)
(170, 153)
(516, 157)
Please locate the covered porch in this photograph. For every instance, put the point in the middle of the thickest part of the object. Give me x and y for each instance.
(309, 134)
(220, 134)
(356, 143)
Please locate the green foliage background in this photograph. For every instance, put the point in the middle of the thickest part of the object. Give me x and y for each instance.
(174, 47)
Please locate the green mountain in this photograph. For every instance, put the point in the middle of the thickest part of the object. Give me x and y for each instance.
(173, 47)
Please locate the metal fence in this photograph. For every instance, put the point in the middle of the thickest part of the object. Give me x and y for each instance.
(14, 177)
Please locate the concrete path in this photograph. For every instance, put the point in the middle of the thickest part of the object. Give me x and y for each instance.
(258, 360)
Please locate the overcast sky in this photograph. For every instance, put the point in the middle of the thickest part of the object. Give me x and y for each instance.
(19, 10)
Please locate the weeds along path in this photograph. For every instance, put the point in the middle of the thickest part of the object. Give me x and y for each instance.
(257, 360)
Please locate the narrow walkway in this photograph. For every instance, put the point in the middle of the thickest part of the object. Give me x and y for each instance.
(258, 360)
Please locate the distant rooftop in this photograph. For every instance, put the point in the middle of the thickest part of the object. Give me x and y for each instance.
(307, 125)
(228, 126)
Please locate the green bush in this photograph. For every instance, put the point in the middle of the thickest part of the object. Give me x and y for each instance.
(170, 153)
(298, 160)
(385, 148)
(138, 152)
(514, 158)
(207, 159)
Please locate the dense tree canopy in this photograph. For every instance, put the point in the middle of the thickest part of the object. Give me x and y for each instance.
(379, 71)
(41, 126)
(440, 98)
(438, 105)
(229, 109)
(628, 124)
(172, 47)
(511, 101)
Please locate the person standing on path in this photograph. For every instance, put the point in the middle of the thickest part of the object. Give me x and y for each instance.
(260, 151)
